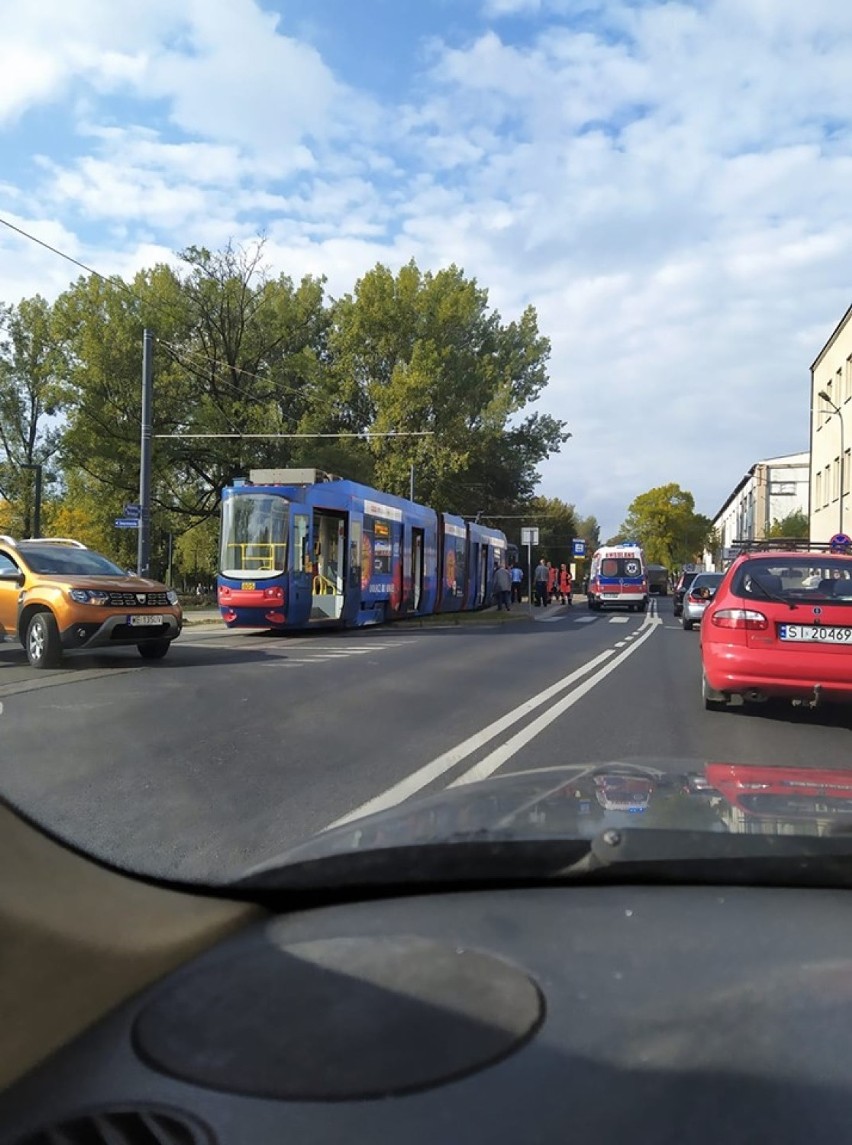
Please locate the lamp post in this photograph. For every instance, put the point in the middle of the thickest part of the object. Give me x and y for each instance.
(37, 506)
(825, 397)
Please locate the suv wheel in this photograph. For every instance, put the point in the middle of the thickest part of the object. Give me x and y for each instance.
(154, 649)
(44, 648)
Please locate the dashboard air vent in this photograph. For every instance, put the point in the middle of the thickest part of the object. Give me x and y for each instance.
(124, 1126)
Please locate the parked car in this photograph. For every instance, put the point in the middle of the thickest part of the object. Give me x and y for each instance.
(780, 626)
(684, 581)
(698, 596)
(55, 594)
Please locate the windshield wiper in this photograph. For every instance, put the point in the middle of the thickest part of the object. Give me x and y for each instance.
(770, 595)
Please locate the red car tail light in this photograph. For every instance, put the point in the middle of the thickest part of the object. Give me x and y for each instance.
(741, 618)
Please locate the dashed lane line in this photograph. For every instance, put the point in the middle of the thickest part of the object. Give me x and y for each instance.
(445, 762)
(487, 766)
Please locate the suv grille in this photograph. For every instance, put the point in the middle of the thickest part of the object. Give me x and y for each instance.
(131, 600)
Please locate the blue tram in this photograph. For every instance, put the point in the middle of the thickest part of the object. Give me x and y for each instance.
(300, 548)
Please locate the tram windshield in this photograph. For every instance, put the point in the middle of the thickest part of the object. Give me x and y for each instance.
(254, 535)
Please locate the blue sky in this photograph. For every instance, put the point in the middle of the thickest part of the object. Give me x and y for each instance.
(668, 183)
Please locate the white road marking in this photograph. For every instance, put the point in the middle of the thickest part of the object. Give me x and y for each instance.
(502, 754)
(585, 619)
(448, 760)
(620, 644)
(619, 619)
(552, 619)
(427, 774)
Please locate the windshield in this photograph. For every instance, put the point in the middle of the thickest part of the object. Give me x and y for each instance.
(254, 535)
(827, 579)
(65, 560)
(535, 310)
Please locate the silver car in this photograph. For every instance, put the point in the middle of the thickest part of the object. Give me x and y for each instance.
(698, 596)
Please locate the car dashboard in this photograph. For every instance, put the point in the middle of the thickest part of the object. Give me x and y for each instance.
(523, 1015)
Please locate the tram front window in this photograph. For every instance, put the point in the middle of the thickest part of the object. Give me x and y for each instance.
(254, 535)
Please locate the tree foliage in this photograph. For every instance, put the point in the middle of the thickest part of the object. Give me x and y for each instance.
(412, 368)
(794, 525)
(664, 522)
(30, 398)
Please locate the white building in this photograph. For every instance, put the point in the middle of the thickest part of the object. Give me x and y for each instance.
(831, 424)
(769, 492)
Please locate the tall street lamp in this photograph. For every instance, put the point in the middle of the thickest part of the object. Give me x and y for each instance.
(825, 397)
(37, 506)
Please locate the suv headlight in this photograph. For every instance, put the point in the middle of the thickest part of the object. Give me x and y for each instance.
(172, 595)
(89, 596)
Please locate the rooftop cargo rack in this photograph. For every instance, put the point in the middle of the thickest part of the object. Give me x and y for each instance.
(789, 545)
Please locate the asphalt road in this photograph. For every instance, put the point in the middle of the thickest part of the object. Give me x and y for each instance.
(239, 745)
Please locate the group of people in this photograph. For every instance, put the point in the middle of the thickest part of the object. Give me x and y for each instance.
(552, 584)
(549, 584)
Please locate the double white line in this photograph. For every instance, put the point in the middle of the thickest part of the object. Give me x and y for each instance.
(601, 666)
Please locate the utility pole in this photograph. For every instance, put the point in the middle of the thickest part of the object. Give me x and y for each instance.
(411, 486)
(143, 560)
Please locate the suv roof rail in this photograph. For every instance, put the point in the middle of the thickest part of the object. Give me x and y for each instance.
(789, 545)
(55, 541)
(7, 540)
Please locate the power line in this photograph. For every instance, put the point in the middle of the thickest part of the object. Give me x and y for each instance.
(271, 436)
(62, 254)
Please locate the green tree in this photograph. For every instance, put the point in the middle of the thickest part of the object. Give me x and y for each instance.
(664, 522)
(794, 525)
(30, 402)
(419, 352)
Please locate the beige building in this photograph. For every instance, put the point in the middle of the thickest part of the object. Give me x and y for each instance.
(772, 490)
(831, 374)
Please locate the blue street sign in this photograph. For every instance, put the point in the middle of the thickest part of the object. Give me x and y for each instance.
(579, 548)
(127, 523)
(132, 511)
(840, 541)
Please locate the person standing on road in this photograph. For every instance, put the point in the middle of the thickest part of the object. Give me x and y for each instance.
(502, 586)
(540, 582)
(565, 585)
(552, 582)
(517, 583)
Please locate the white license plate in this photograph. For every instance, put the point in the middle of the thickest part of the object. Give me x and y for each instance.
(816, 634)
(610, 595)
(145, 621)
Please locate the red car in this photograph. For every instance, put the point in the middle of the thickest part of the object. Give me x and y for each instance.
(780, 625)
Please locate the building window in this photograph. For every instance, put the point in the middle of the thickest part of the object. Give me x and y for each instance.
(835, 479)
(818, 491)
(847, 476)
(826, 485)
(847, 381)
(782, 489)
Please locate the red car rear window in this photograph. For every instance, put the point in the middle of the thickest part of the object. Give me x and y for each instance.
(804, 577)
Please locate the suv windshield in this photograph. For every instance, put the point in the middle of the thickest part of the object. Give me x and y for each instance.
(805, 578)
(66, 560)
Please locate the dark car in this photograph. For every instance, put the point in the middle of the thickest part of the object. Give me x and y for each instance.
(684, 581)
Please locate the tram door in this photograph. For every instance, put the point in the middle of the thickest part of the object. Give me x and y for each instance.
(328, 558)
(299, 604)
(417, 545)
(483, 573)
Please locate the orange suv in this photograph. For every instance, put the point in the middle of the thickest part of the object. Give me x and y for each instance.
(55, 594)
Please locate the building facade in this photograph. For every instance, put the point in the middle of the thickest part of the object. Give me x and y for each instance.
(831, 431)
(772, 490)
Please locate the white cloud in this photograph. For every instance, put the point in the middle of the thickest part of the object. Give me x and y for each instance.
(667, 183)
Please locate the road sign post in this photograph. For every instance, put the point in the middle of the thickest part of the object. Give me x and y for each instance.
(529, 537)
